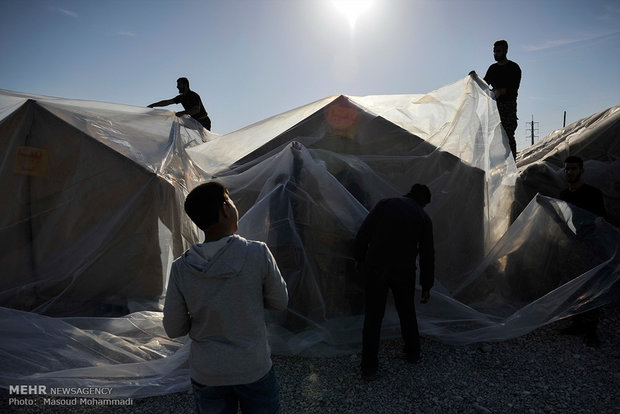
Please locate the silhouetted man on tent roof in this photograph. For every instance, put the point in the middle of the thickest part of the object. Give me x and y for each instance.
(505, 78)
(191, 103)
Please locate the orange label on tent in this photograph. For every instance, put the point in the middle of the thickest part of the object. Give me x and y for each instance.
(31, 161)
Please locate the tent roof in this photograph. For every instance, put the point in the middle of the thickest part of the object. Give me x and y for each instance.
(592, 138)
(143, 135)
(460, 118)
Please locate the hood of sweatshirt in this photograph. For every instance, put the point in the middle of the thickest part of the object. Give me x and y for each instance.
(223, 258)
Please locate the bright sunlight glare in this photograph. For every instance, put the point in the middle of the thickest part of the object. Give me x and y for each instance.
(352, 9)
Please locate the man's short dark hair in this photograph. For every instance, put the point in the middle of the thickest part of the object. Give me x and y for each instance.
(184, 80)
(501, 43)
(203, 203)
(573, 159)
(420, 193)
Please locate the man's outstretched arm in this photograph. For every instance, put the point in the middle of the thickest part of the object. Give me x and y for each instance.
(165, 102)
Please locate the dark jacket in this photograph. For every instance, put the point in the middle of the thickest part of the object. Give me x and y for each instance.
(393, 234)
(189, 101)
(586, 197)
(505, 76)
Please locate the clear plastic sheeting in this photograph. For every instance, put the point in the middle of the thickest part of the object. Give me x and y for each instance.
(595, 140)
(462, 119)
(303, 182)
(554, 261)
(131, 354)
(90, 218)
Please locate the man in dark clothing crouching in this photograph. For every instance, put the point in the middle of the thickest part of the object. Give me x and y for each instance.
(386, 247)
(192, 104)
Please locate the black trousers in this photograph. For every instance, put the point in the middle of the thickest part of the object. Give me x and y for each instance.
(206, 122)
(508, 116)
(377, 283)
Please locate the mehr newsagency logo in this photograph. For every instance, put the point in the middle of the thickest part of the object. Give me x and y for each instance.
(33, 395)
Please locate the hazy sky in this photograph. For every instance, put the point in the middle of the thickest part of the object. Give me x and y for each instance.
(252, 59)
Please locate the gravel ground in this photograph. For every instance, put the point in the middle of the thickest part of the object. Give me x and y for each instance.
(542, 372)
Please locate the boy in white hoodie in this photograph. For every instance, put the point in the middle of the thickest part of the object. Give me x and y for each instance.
(217, 294)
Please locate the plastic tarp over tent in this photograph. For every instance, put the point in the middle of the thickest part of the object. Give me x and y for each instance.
(90, 215)
(305, 187)
(596, 140)
(303, 182)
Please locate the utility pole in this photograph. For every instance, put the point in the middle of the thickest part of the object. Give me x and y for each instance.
(532, 130)
(564, 124)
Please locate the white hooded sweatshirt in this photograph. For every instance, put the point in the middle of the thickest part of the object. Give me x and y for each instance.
(217, 294)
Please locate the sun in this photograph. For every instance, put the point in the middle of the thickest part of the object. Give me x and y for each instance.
(352, 9)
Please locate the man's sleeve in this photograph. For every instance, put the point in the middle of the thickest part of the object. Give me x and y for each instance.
(275, 292)
(488, 77)
(427, 256)
(177, 320)
(516, 79)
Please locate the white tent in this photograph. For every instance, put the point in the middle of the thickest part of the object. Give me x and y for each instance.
(595, 140)
(303, 181)
(90, 217)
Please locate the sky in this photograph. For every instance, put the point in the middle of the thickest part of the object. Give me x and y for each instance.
(253, 59)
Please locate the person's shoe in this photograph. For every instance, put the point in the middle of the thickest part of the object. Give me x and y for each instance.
(369, 376)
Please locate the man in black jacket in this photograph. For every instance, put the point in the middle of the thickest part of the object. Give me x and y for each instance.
(505, 77)
(579, 193)
(192, 104)
(387, 244)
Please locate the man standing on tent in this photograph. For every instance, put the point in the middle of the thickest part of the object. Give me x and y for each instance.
(217, 293)
(505, 78)
(191, 103)
(387, 245)
(589, 198)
